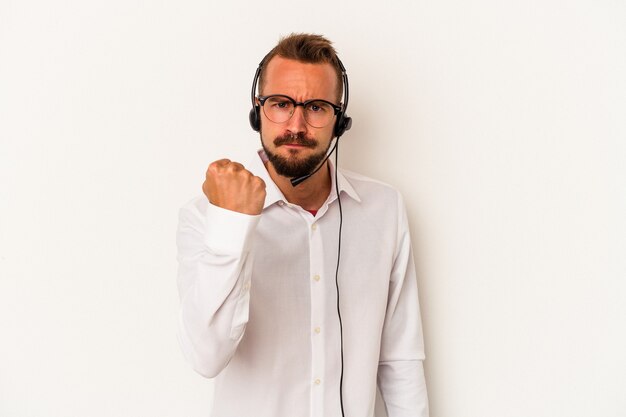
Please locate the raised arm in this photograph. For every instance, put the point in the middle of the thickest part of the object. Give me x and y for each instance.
(215, 237)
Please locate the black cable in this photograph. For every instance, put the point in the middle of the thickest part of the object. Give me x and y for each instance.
(337, 274)
(298, 180)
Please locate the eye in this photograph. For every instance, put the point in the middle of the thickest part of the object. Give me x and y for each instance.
(279, 103)
(318, 107)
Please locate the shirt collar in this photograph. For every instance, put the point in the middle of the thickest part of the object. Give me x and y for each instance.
(273, 193)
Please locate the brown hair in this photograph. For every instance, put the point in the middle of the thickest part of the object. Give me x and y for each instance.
(309, 48)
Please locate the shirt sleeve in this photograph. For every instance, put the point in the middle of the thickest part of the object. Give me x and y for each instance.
(400, 372)
(215, 265)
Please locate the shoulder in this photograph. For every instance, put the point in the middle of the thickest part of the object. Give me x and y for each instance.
(368, 188)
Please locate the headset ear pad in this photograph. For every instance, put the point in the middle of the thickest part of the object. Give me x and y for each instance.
(342, 124)
(255, 118)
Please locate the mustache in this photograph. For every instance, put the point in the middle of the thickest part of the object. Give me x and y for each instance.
(297, 138)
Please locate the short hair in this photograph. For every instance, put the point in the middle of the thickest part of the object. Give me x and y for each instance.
(308, 48)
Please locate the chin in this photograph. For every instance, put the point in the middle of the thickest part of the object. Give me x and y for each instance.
(294, 166)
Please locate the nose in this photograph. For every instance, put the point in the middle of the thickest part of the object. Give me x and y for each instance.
(297, 123)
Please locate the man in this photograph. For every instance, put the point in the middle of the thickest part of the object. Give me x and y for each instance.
(299, 302)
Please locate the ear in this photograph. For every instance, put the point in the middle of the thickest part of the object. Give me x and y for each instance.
(342, 124)
(255, 117)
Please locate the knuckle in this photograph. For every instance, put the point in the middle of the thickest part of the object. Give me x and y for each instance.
(236, 167)
(216, 166)
(244, 175)
(258, 182)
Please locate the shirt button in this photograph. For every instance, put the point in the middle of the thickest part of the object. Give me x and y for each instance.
(313, 226)
(316, 277)
(318, 330)
(318, 381)
(246, 286)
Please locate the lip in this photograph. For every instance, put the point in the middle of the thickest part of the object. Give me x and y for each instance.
(295, 146)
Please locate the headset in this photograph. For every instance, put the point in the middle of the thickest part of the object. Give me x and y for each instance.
(342, 123)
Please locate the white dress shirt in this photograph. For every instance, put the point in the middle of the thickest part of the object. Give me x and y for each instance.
(259, 308)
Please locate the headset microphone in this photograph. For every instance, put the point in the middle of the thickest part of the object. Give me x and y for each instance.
(298, 180)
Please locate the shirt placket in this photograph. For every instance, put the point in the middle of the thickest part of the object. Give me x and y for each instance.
(317, 317)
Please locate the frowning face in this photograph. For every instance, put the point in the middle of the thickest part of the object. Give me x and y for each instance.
(295, 147)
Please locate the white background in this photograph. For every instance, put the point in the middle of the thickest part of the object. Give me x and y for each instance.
(502, 123)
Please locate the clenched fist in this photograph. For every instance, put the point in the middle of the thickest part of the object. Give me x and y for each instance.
(229, 185)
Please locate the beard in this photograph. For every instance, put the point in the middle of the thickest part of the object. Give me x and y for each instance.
(292, 166)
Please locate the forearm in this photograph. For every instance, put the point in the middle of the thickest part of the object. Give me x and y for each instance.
(403, 388)
(213, 279)
(401, 371)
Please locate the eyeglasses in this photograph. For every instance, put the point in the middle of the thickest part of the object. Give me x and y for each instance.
(317, 113)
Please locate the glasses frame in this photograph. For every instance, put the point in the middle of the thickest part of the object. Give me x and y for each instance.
(262, 99)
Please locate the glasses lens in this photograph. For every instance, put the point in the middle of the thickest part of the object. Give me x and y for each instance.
(278, 108)
(318, 113)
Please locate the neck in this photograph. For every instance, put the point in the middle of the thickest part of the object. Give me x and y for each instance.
(310, 194)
